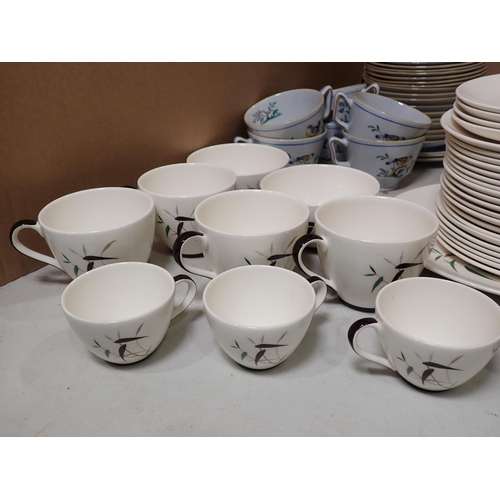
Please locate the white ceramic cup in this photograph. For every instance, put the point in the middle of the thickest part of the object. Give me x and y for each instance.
(122, 312)
(293, 114)
(300, 151)
(435, 333)
(388, 161)
(177, 190)
(250, 162)
(315, 184)
(366, 242)
(245, 227)
(260, 314)
(377, 117)
(91, 228)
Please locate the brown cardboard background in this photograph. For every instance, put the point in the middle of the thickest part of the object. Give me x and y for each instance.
(71, 126)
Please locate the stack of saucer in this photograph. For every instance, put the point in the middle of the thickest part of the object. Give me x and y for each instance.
(429, 87)
(468, 206)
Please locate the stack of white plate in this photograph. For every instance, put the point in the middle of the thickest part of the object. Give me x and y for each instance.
(468, 206)
(427, 86)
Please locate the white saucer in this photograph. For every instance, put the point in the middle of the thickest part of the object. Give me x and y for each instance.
(443, 262)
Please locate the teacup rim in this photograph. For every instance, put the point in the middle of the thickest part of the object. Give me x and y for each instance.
(378, 199)
(446, 283)
(173, 166)
(299, 141)
(114, 267)
(288, 123)
(266, 269)
(363, 96)
(138, 192)
(253, 192)
(381, 143)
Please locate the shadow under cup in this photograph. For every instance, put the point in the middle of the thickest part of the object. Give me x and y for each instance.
(366, 242)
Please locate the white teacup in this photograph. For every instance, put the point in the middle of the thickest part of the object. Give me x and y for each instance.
(293, 114)
(366, 242)
(250, 162)
(177, 190)
(299, 151)
(122, 312)
(260, 314)
(315, 184)
(436, 334)
(91, 228)
(388, 161)
(245, 227)
(377, 117)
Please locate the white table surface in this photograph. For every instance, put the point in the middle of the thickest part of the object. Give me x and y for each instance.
(51, 385)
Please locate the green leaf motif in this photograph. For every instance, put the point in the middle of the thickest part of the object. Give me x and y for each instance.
(377, 283)
(106, 352)
(167, 230)
(75, 270)
(409, 370)
(452, 264)
(243, 355)
(474, 271)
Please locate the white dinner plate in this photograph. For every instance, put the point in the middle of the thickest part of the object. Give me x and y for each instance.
(483, 155)
(481, 93)
(463, 221)
(463, 135)
(487, 132)
(479, 113)
(466, 256)
(445, 263)
(474, 174)
(473, 119)
(481, 191)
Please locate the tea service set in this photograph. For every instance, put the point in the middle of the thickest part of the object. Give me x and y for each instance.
(249, 218)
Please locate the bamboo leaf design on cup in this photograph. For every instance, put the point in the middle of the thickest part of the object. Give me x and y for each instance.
(429, 374)
(263, 355)
(126, 351)
(399, 268)
(89, 259)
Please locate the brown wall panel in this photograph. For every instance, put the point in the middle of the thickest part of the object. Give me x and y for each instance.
(71, 126)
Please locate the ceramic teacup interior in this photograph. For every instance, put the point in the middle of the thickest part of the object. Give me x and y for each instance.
(440, 312)
(243, 159)
(376, 219)
(315, 184)
(259, 296)
(118, 292)
(252, 212)
(96, 210)
(187, 179)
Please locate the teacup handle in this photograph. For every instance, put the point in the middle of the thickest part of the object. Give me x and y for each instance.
(298, 249)
(373, 88)
(352, 335)
(20, 247)
(343, 143)
(242, 139)
(327, 92)
(190, 293)
(341, 96)
(178, 257)
(320, 289)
